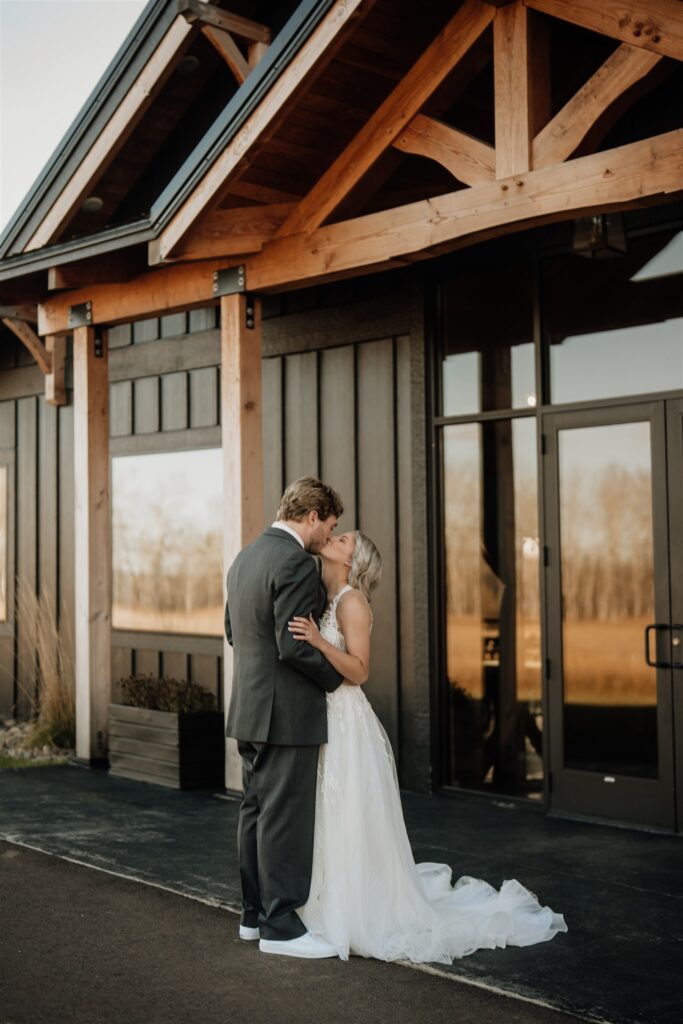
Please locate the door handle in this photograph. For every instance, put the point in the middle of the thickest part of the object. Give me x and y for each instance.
(654, 627)
(677, 645)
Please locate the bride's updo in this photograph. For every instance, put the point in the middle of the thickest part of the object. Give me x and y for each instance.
(366, 565)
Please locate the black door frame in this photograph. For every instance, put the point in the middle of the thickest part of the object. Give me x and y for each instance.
(630, 800)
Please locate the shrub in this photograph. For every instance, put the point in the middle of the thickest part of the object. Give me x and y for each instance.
(162, 693)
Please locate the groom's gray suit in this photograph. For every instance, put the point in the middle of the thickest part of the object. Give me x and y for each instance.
(278, 715)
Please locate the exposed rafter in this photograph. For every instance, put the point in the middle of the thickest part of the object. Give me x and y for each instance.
(207, 14)
(402, 104)
(224, 43)
(120, 125)
(560, 137)
(233, 232)
(626, 177)
(468, 159)
(318, 48)
(656, 25)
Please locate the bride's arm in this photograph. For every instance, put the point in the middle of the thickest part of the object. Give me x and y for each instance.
(354, 620)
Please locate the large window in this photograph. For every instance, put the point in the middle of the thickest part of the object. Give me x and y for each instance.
(493, 639)
(492, 728)
(167, 542)
(615, 325)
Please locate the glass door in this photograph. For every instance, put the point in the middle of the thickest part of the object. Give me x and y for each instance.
(675, 453)
(611, 639)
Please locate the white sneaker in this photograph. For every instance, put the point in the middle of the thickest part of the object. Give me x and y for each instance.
(250, 934)
(304, 946)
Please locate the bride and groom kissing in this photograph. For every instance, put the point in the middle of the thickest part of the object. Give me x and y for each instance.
(326, 866)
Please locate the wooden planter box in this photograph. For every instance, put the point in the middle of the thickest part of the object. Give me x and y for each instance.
(183, 751)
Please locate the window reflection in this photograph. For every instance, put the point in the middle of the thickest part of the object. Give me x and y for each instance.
(167, 542)
(607, 557)
(3, 543)
(488, 332)
(625, 335)
(493, 652)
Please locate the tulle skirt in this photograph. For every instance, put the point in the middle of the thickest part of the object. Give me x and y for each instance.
(367, 895)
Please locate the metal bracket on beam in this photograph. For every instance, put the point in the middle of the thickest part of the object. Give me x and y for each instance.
(81, 315)
(231, 281)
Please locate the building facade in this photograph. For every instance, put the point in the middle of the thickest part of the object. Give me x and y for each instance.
(492, 377)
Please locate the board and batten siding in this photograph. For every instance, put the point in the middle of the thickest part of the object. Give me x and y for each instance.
(343, 398)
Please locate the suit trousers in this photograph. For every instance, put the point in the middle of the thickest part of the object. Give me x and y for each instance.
(275, 835)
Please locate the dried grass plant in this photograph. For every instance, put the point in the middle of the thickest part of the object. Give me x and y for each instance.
(53, 700)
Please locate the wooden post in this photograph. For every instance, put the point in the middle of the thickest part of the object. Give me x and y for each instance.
(242, 457)
(92, 544)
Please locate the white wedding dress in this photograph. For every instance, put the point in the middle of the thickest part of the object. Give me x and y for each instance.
(367, 895)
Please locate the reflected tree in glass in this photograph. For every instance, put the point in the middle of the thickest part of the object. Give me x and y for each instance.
(167, 542)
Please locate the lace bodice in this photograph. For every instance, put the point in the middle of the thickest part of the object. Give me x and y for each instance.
(329, 627)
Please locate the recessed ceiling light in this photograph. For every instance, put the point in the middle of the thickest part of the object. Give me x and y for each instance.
(92, 204)
(188, 65)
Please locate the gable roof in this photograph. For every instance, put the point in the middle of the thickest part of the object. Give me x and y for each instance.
(147, 33)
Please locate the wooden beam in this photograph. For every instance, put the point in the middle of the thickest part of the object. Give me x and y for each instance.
(511, 73)
(241, 413)
(626, 177)
(621, 178)
(467, 159)
(656, 25)
(229, 51)
(55, 381)
(386, 124)
(622, 69)
(256, 52)
(92, 545)
(316, 50)
(28, 338)
(233, 232)
(115, 132)
(114, 266)
(19, 312)
(207, 14)
(170, 289)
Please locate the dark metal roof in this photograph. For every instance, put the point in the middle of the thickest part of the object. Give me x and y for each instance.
(145, 35)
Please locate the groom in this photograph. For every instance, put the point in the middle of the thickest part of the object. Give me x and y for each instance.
(278, 715)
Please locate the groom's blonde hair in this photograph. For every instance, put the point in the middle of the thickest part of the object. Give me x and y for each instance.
(309, 494)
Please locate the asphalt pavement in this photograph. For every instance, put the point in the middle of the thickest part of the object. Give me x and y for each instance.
(81, 946)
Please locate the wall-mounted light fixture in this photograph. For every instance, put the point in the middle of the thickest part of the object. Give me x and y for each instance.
(600, 236)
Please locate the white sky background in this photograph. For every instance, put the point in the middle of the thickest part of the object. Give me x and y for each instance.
(52, 55)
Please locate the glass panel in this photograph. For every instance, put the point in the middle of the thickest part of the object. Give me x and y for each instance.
(167, 542)
(3, 543)
(488, 336)
(610, 695)
(615, 326)
(493, 652)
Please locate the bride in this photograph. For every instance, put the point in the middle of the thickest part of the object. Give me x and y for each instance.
(368, 896)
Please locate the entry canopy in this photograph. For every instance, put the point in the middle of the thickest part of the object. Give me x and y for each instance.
(316, 140)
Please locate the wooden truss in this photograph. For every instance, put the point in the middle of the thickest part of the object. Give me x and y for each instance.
(532, 176)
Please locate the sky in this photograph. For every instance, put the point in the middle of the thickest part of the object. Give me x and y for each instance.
(52, 54)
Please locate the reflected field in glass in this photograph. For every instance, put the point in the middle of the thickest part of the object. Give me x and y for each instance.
(493, 656)
(3, 543)
(607, 562)
(167, 542)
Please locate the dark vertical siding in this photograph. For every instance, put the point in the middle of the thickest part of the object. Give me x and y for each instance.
(338, 427)
(341, 420)
(27, 545)
(301, 416)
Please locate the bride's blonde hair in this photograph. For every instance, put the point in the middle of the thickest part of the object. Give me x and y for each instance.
(366, 565)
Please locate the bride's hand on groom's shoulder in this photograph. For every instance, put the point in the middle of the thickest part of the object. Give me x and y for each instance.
(305, 629)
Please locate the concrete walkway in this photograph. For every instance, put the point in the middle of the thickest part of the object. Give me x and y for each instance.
(621, 891)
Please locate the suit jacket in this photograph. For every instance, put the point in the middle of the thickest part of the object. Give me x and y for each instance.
(278, 683)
